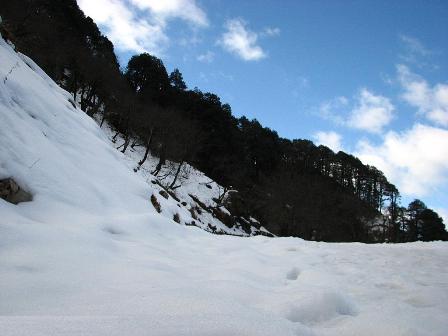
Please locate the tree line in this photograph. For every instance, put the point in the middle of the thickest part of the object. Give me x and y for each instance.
(292, 186)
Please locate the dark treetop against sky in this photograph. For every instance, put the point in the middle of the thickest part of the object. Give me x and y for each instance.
(367, 77)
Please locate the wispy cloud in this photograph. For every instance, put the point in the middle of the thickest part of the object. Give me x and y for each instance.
(239, 40)
(191, 40)
(414, 52)
(206, 57)
(270, 31)
(140, 25)
(414, 46)
(335, 110)
(330, 139)
(431, 101)
(216, 75)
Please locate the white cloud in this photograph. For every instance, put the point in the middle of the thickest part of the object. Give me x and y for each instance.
(432, 102)
(372, 112)
(240, 41)
(414, 160)
(168, 9)
(207, 57)
(330, 139)
(140, 25)
(368, 112)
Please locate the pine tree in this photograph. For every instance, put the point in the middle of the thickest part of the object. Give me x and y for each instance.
(177, 81)
(432, 227)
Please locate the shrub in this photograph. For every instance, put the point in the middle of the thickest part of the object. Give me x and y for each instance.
(156, 204)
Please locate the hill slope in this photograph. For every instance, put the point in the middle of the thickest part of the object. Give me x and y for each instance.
(290, 185)
(90, 255)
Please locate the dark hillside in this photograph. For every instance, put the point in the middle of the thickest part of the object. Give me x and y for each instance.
(292, 186)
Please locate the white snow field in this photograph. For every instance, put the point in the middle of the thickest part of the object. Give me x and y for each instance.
(90, 255)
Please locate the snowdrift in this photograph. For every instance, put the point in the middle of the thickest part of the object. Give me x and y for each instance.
(89, 255)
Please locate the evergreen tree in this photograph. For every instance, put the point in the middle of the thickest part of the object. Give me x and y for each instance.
(432, 227)
(414, 211)
(177, 81)
(147, 75)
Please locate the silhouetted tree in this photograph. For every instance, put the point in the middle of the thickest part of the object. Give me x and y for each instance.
(147, 76)
(414, 211)
(177, 81)
(432, 227)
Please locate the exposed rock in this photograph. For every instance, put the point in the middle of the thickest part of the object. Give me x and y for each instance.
(11, 192)
(163, 193)
(202, 205)
(156, 204)
(223, 217)
(173, 195)
(193, 213)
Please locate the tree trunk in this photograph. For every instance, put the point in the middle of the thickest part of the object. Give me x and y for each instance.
(161, 162)
(74, 85)
(221, 196)
(127, 136)
(91, 101)
(177, 174)
(114, 138)
(148, 143)
(103, 118)
(127, 140)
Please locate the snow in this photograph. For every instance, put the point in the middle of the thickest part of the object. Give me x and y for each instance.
(191, 183)
(91, 256)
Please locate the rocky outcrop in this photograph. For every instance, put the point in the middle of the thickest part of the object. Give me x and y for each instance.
(11, 192)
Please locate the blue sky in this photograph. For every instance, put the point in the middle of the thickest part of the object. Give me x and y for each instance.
(367, 77)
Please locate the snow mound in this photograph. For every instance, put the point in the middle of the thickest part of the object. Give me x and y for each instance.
(91, 256)
(314, 308)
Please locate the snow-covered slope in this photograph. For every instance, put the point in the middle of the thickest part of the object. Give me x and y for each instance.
(90, 255)
(194, 198)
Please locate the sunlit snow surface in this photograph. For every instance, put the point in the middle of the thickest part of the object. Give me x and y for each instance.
(90, 256)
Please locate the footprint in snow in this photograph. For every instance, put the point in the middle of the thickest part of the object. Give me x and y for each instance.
(293, 274)
(113, 231)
